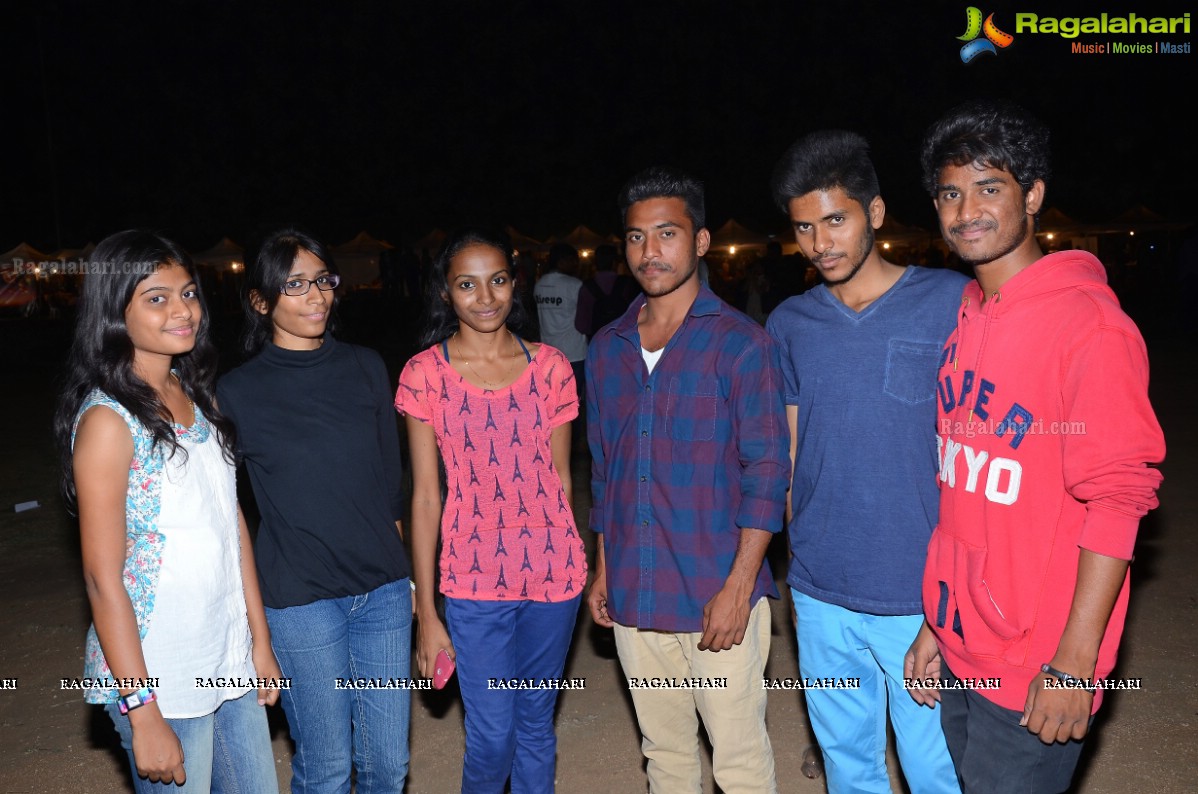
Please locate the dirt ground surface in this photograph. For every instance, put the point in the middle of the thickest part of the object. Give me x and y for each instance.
(50, 741)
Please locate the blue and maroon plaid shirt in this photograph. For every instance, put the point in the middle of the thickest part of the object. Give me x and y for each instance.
(683, 459)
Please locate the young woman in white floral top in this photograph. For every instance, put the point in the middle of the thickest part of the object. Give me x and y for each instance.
(179, 642)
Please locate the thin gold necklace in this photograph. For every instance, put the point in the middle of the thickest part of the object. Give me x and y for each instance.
(490, 385)
(190, 402)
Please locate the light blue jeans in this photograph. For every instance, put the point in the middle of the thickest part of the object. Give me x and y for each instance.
(227, 751)
(850, 724)
(336, 728)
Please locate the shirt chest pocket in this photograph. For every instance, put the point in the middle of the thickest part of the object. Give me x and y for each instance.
(911, 370)
(691, 410)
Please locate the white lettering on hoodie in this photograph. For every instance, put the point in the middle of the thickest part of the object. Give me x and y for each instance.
(1003, 493)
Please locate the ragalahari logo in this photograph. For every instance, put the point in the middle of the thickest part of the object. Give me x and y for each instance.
(974, 27)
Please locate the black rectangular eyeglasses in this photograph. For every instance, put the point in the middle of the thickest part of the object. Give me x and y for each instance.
(300, 286)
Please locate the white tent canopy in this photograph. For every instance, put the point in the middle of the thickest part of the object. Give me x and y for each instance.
(16, 292)
(74, 254)
(583, 238)
(520, 241)
(430, 242)
(22, 254)
(733, 234)
(358, 259)
(225, 255)
(895, 232)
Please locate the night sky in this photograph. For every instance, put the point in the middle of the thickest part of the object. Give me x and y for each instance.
(209, 119)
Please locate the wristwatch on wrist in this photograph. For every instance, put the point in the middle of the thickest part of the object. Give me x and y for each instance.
(135, 700)
(1070, 681)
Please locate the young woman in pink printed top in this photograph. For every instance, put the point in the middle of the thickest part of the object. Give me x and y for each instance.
(495, 413)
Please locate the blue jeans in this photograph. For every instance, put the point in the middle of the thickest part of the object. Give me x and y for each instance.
(509, 732)
(994, 754)
(336, 728)
(227, 751)
(850, 724)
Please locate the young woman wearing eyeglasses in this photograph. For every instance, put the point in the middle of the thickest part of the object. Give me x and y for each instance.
(318, 436)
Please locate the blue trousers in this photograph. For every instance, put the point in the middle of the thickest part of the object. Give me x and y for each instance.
(335, 728)
(509, 732)
(227, 751)
(850, 724)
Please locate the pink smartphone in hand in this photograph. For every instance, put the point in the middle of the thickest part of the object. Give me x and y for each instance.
(443, 668)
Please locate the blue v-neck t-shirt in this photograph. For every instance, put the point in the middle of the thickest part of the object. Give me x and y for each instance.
(864, 494)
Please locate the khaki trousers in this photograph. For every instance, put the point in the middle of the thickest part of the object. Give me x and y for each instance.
(673, 684)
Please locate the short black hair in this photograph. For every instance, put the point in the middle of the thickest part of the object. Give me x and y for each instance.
(826, 160)
(559, 253)
(993, 133)
(663, 182)
(605, 258)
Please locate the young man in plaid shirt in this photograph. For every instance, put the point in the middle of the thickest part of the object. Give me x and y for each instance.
(688, 434)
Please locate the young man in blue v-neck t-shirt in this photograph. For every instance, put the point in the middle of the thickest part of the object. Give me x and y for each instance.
(859, 357)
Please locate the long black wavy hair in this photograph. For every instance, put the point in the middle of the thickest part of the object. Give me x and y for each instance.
(440, 321)
(265, 274)
(101, 355)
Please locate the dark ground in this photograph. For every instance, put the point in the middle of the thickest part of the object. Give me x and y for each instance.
(50, 741)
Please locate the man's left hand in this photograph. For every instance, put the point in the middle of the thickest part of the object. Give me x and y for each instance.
(1056, 715)
(725, 618)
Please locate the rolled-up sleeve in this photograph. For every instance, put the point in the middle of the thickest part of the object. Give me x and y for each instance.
(762, 436)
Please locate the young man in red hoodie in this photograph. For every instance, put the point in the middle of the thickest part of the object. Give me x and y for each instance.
(1047, 444)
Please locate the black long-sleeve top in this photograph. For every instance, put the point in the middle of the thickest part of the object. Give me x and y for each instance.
(317, 432)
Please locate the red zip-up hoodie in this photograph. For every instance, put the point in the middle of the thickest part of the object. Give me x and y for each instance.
(1047, 442)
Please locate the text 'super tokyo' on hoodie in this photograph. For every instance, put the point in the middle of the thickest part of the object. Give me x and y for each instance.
(1046, 442)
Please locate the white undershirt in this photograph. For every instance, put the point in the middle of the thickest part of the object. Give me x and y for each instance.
(651, 358)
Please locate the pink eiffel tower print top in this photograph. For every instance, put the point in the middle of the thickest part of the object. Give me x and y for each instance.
(507, 529)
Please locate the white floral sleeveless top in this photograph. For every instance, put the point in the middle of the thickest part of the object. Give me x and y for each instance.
(182, 571)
